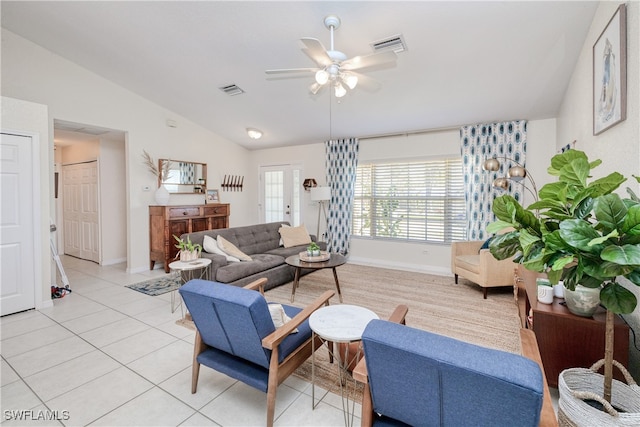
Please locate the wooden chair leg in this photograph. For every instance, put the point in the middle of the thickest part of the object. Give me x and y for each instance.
(195, 368)
(195, 372)
(271, 405)
(272, 387)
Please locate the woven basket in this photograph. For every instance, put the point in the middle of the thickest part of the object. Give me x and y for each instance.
(578, 384)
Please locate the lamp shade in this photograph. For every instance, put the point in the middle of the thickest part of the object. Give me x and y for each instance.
(320, 193)
(491, 165)
(517, 173)
(502, 183)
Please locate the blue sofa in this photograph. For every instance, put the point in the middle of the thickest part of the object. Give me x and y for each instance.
(423, 379)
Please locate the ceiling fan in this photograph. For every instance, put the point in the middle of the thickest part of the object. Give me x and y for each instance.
(333, 66)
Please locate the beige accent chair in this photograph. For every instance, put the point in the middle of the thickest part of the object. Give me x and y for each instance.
(479, 266)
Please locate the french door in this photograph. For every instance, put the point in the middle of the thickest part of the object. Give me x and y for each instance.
(280, 194)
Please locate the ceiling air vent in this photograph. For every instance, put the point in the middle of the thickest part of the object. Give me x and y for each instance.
(394, 43)
(231, 90)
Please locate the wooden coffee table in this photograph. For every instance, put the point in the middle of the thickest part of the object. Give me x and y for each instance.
(335, 260)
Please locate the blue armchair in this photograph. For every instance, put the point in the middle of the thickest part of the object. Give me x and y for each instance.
(236, 335)
(418, 378)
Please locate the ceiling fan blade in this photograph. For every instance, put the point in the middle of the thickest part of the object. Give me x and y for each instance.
(316, 51)
(292, 70)
(366, 61)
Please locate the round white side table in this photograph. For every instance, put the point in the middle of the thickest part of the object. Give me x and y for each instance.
(341, 323)
(196, 269)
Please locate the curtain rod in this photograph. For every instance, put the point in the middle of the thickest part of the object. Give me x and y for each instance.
(417, 132)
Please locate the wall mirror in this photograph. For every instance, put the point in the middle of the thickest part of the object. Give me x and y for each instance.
(184, 177)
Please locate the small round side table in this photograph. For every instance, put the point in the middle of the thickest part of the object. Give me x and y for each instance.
(196, 269)
(342, 323)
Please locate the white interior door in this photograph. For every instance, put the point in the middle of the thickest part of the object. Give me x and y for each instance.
(80, 210)
(280, 197)
(17, 222)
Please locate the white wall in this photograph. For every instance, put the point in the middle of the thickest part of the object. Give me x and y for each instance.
(113, 203)
(619, 146)
(74, 94)
(410, 256)
(29, 117)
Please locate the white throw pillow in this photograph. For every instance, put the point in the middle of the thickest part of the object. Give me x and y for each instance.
(230, 249)
(211, 246)
(279, 316)
(294, 236)
(283, 225)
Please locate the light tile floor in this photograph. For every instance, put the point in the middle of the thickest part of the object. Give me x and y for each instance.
(107, 355)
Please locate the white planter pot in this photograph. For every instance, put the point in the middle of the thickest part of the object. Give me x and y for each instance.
(583, 301)
(186, 256)
(162, 196)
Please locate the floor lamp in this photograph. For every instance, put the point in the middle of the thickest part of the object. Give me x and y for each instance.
(321, 195)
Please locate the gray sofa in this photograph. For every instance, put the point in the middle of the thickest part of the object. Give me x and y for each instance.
(262, 243)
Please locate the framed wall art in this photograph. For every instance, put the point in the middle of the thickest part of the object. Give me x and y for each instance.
(213, 196)
(610, 74)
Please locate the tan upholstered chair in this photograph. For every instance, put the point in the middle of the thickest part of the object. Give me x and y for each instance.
(479, 266)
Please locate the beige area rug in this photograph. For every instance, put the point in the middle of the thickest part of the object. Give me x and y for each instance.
(436, 304)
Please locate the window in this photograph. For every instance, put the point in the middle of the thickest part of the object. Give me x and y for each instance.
(415, 201)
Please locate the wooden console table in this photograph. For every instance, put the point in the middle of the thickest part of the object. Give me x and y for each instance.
(564, 339)
(167, 221)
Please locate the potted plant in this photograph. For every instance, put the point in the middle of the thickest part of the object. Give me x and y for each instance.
(579, 232)
(189, 251)
(313, 249)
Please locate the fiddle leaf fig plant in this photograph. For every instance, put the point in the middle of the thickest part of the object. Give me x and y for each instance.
(580, 232)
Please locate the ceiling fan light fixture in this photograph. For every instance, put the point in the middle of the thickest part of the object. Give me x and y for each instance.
(322, 77)
(340, 91)
(350, 80)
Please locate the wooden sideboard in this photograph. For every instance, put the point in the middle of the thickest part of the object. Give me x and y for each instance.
(564, 339)
(167, 221)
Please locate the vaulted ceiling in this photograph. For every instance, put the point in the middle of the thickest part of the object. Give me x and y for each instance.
(465, 62)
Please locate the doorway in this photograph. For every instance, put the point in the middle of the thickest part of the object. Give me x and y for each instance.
(91, 207)
(280, 195)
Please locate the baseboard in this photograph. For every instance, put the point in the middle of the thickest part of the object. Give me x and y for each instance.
(47, 303)
(428, 269)
(114, 261)
(158, 266)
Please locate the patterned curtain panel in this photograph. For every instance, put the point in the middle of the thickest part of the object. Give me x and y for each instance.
(341, 164)
(187, 173)
(506, 141)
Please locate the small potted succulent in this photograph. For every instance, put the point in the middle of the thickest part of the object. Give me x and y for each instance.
(313, 249)
(189, 251)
